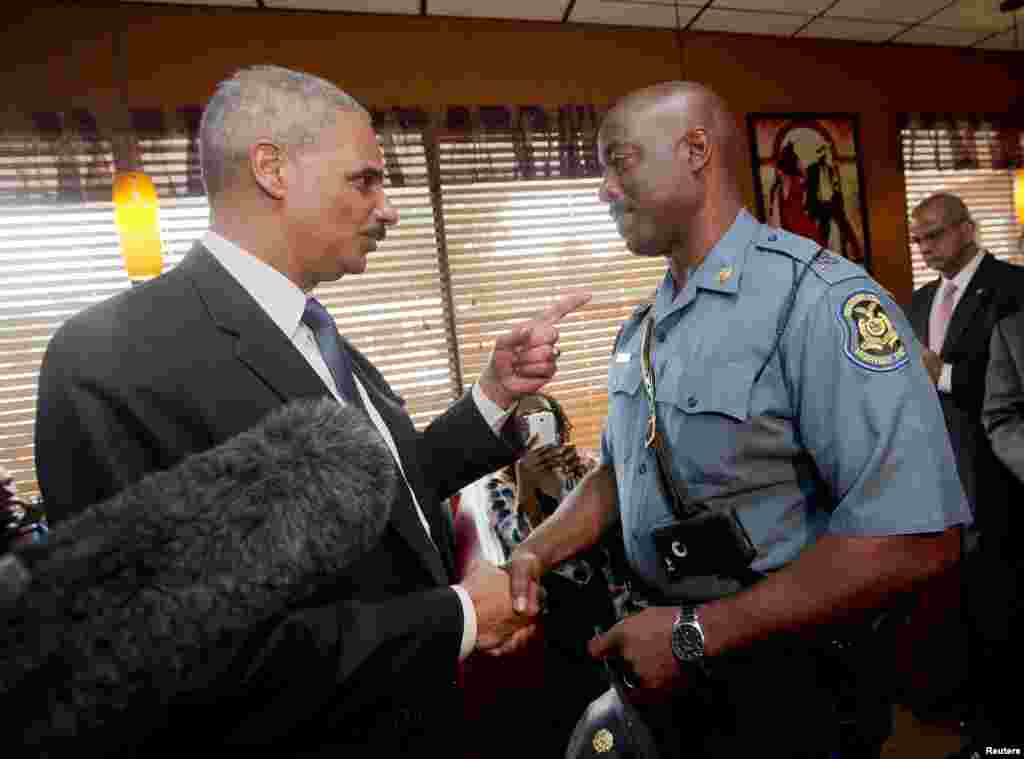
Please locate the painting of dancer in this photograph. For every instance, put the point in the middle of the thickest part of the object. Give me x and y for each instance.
(808, 178)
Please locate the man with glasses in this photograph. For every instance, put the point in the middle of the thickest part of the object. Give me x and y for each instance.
(953, 317)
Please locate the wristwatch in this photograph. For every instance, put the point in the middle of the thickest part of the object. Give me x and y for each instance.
(688, 637)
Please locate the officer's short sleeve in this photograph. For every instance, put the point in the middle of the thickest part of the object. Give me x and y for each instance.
(869, 415)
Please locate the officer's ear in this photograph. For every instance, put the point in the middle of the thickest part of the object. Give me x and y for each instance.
(695, 149)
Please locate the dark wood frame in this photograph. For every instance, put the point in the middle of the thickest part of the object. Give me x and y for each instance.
(841, 133)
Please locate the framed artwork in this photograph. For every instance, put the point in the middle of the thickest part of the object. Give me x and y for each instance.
(809, 178)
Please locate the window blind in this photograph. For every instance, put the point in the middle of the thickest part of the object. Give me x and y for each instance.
(513, 247)
(960, 160)
(491, 230)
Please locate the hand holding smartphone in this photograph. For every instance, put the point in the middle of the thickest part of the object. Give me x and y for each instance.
(541, 425)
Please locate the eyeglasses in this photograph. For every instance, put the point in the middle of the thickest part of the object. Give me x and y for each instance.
(937, 233)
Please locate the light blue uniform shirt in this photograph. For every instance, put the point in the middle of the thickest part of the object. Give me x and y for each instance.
(853, 444)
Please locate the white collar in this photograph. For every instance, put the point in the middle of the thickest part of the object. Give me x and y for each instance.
(963, 278)
(281, 298)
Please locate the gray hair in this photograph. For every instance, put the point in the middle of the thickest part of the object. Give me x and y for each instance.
(292, 108)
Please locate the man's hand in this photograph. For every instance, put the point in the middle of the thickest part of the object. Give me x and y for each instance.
(524, 359)
(525, 570)
(932, 363)
(643, 643)
(500, 629)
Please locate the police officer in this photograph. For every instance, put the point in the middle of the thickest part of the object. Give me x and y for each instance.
(788, 393)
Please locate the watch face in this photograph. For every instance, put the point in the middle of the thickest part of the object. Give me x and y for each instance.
(687, 643)
(690, 640)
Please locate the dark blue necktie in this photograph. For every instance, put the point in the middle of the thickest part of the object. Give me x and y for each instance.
(335, 355)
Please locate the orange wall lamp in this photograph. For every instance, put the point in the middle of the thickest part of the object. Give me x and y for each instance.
(137, 214)
(1018, 195)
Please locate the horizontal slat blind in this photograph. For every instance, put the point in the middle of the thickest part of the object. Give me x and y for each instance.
(394, 312)
(59, 259)
(507, 243)
(171, 162)
(513, 247)
(28, 173)
(987, 192)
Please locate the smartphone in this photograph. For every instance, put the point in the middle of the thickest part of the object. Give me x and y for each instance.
(542, 424)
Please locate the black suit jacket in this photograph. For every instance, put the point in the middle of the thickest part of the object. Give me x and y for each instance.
(995, 290)
(1003, 413)
(179, 365)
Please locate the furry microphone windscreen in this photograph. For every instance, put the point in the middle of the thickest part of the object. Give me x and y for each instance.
(130, 596)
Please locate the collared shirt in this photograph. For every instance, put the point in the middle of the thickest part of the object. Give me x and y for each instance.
(284, 303)
(830, 434)
(961, 280)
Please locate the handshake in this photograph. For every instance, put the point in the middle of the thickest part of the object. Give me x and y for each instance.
(504, 626)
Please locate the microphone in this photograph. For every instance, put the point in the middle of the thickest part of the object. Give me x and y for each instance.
(130, 599)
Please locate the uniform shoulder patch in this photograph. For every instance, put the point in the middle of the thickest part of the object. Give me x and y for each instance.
(871, 339)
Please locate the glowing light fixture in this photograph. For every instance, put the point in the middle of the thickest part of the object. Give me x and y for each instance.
(1018, 195)
(136, 208)
(136, 212)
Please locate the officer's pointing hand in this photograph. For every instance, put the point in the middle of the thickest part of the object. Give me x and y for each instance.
(525, 358)
(643, 644)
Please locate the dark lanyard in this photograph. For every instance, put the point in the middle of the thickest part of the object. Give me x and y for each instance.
(648, 375)
(683, 506)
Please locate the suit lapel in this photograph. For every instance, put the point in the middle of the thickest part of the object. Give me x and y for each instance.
(435, 555)
(921, 308)
(272, 356)
(979, 289)
(259, 343)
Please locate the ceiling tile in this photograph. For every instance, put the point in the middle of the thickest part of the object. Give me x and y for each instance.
(909, 11)
(542, 10)
(234, 3)
(660, 13)
(848, 29)
(806, 7)
(975, 14)
(749, 22)
(359, 6)
(1005, 41)
(937, 35)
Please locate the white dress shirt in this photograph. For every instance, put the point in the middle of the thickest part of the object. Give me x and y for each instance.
(961, 280)
(284, 303)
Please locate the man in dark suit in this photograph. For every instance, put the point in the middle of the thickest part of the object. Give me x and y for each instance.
(295, 177)
(1003, 412)
(1003, 416)
(953, 318)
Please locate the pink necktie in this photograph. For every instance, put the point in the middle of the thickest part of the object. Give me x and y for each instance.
(940, 321)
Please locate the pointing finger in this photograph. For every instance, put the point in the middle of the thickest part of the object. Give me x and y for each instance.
(564, 305)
